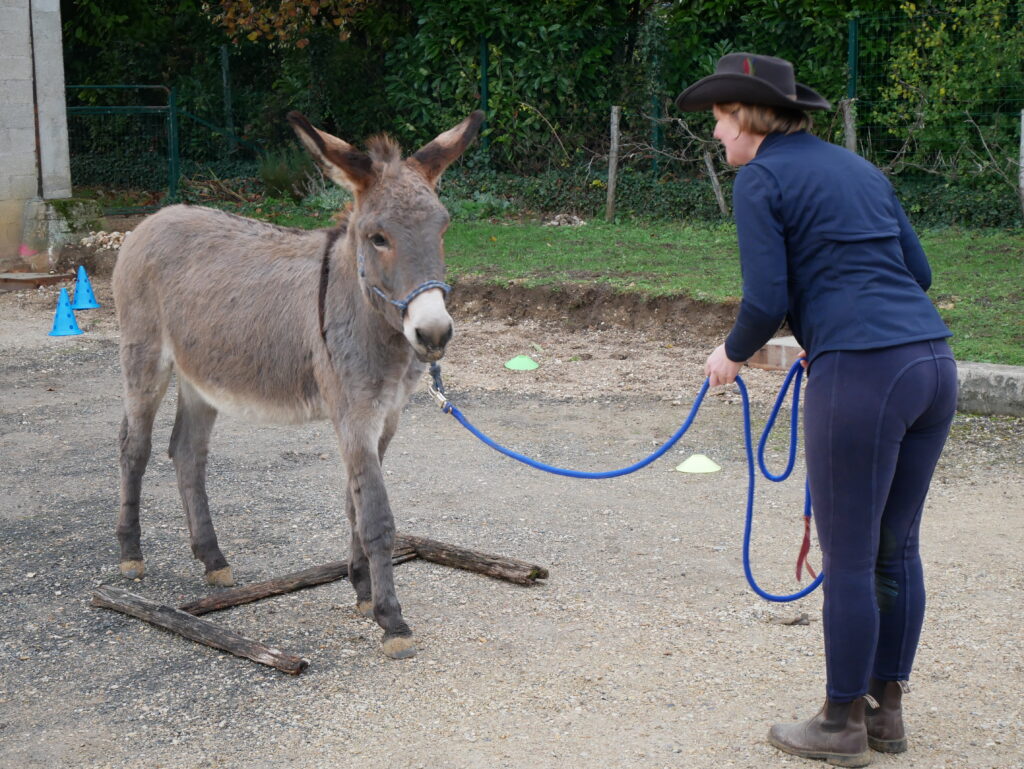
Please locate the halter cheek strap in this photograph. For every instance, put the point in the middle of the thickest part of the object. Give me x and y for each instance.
(401, 304)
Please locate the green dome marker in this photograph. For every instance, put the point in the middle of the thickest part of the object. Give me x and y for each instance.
(698, 463)
(522, 363)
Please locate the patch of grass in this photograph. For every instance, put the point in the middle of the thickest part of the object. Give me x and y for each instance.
(286, 173)
(282, 211)
(653, 259)
(978, 286)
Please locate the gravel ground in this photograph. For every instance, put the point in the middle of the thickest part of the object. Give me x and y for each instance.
(645, 648)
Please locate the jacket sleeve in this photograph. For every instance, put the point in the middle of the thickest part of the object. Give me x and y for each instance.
(913, 254)
(760, 229)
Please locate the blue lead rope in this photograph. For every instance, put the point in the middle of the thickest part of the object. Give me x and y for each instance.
(795, 374)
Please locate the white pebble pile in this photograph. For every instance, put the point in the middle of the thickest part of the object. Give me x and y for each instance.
(102, 239)
(565, 220)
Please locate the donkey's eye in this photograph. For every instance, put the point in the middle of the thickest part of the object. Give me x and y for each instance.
(378, 241)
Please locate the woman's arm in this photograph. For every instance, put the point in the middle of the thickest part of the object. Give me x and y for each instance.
(913, 254)
(757, 206)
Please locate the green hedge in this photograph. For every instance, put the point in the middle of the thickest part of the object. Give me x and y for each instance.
(930, 200)
(578, 191)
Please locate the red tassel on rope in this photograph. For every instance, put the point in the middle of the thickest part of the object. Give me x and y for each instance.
(805, 548)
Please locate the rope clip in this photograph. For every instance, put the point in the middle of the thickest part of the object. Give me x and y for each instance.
(439, 397)
(436, 388)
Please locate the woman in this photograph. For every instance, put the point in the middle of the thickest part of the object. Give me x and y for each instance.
(825, 245)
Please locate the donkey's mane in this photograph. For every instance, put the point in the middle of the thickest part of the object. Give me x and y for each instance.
(383, 149)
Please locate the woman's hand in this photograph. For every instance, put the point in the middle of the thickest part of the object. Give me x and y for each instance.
(719, 369)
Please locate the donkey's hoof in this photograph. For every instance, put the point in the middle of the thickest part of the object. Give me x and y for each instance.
(365, 608)
(399, 647)
(133, 569)
(221, 577)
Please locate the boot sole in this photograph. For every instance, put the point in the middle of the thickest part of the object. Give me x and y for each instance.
(887, 746)
(835, 759)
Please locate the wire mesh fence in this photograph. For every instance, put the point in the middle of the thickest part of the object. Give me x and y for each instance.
(935, 95)
(135, 140)
(940, 92)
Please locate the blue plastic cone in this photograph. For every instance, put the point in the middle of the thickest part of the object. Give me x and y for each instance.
(84, 297)
(64, 323)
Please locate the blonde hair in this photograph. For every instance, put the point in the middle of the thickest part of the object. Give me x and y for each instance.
(761, 119)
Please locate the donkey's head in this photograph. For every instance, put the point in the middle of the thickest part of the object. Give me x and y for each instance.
(397, 224)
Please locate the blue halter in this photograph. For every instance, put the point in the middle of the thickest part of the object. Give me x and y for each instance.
(401, 304)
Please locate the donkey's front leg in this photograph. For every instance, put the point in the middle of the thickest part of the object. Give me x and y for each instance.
(358, 563)
(376, 527)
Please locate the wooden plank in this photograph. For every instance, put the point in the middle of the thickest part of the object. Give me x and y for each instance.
(497, 566)
(196, 629)
(315, 575)
(15, 281)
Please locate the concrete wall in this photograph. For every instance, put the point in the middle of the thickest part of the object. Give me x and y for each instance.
(31, 85)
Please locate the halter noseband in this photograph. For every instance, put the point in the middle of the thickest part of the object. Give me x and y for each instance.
(401, 304)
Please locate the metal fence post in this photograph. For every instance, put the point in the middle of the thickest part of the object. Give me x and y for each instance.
(225, 78)
(657, 134)
(173, 152)
(852, 45)
(1020, 163)
(485, 141)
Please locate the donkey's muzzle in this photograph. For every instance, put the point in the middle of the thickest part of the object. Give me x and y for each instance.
(433, 345)
(428, 326)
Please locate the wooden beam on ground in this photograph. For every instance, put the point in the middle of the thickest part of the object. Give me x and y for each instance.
(509, 569)
(199, 630)
(315, 575)
(14, 281)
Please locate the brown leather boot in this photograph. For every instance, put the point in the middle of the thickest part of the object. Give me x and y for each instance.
(836, 735)
(885, 723)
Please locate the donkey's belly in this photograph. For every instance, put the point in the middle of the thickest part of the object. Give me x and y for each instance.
(253, 408)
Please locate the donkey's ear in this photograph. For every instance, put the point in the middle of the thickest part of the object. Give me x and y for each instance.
(339, 160)
(436, 156)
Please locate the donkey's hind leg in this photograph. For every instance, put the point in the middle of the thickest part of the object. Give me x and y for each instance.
(190, 441)
(145, 381)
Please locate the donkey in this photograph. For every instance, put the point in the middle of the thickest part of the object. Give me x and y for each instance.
(282, 325)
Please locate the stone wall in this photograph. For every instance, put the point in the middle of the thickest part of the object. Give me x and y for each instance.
(34, 160)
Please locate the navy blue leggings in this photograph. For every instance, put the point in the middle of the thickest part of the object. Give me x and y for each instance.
(874, 426)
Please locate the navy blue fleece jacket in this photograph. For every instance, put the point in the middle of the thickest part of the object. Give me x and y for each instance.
(825, 244)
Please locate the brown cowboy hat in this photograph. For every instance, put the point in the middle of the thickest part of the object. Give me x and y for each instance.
(750, 79)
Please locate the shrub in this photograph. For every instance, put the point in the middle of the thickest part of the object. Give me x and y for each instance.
(930, 200)
(286, 173)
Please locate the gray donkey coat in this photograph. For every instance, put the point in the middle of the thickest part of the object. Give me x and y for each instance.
(283, 325)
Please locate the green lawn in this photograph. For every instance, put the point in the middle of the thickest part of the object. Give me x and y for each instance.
(978, 286)
(978, 276)
(655, 259)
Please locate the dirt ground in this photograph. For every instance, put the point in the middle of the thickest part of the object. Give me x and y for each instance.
(645, 648)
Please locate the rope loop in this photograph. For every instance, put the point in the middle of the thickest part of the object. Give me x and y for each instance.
(794, 376)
